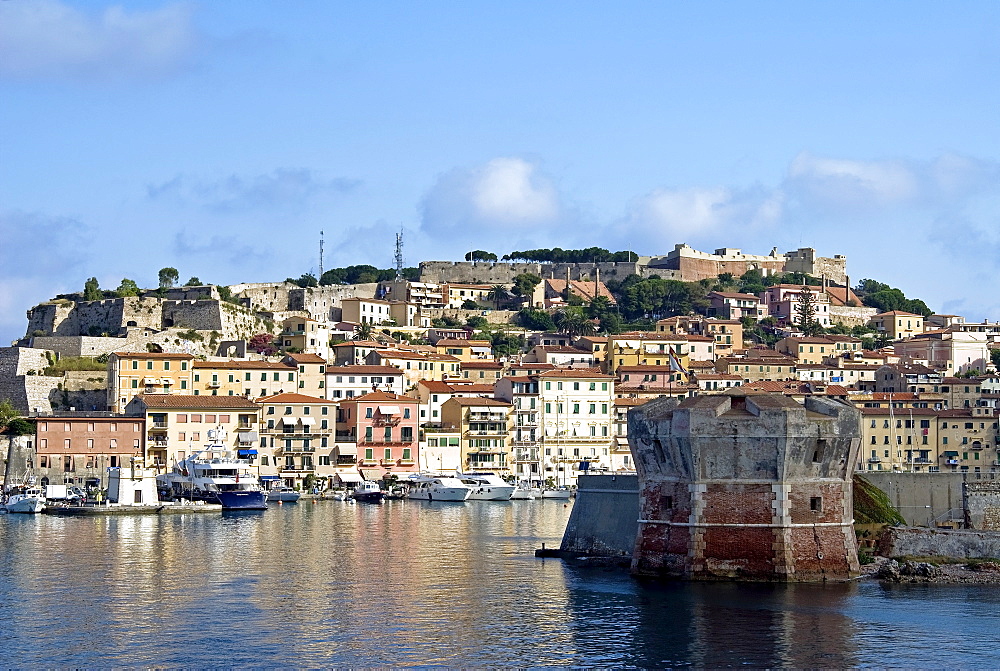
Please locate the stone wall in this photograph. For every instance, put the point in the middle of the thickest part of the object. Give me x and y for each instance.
(922, 498)
(982, 502)
(324, 303)
(17, 453)
(848, 316)
(491, 316)
(920, 542)
(503, 272)
(749, 487)
(603, 522)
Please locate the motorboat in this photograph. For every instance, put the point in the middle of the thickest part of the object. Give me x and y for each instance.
(214, 479)
(368, 491)
(282, 494)
(556, 493)
(29, 500)
(438, 488)
(487, 486)
(522, 493)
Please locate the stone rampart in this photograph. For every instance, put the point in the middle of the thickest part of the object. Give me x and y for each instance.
(748, 487)
(922, 542)
(982, 502)
(922, 498)
(851, 316)
(323, 303)
(491, 316)
(603, 522)
(503, 272)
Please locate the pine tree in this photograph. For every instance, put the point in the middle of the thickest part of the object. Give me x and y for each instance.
(806, 310)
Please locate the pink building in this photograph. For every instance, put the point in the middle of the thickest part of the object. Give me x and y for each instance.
(782, 302)
(383, 425)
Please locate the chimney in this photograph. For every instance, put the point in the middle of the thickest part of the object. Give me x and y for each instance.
(597, 280)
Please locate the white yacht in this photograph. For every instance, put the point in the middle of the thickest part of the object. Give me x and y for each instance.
(524, 492)
(30, 500)
(214, 479)
(557, 493)
(487, 486)
(437, 488)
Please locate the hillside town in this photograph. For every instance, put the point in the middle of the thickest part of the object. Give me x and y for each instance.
(525, 367)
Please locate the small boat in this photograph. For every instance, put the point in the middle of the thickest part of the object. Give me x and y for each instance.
(368, 492)
(556, 493)
(282, 494)
(30, 500)
(340, 496)
(437, 488)
(522, 493)
(487, 487)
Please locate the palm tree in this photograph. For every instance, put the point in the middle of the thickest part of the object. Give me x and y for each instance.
(573, 323)
(364, 331)
(497, 294)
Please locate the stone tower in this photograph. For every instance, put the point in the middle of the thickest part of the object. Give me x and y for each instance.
(745, 486)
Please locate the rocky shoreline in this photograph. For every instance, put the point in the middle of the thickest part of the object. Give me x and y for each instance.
(981, 572)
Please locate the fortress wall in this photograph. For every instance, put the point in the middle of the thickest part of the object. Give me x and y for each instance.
(848, 316)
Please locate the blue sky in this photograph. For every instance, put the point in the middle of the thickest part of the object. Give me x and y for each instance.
(220, 137)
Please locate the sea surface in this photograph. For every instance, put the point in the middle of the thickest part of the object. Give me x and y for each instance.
(413, 583)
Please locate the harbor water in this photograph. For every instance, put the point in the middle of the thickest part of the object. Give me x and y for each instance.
(412, 583)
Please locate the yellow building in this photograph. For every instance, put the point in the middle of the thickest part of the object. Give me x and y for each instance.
(133, 373)
(311, 373)
(898, 439)
(485, 425)
(897, 325)
(807, 350)
(967, 439)
(239, 377)
(417, 366)
(647, 349)
(298, 441)
(179, 425)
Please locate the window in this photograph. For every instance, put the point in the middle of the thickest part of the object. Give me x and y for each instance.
(406, 413)
(576, 408)
(368, 413)
(387, 454)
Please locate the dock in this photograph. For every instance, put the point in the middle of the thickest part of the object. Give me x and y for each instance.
(161, 508)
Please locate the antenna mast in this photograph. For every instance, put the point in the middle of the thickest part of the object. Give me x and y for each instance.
(399, 255)
(320, 255)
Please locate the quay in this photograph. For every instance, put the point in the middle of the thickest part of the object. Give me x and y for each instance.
(162, 508)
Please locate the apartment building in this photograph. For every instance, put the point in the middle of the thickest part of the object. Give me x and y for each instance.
(485, 426)
(134, 373)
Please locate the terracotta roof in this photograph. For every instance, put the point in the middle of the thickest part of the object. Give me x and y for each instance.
(484, 364)
(155, 355)
(719, 376)
(479, 401)
(360, 343)
(191, 401)
(574, 372)
(307, 358)
(362, 370)
(380, 396)
(900, 413)
(842, 295)
(561, 349)
(733, 294)
(474, 389)
(294, 398)
(245, 364)
(897, 313)
(632, 401)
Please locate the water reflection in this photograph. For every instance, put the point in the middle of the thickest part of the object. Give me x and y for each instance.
(409, 583)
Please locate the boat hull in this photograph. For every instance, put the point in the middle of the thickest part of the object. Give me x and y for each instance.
(491, 493)
(522, 495)
(441, 494)
(28, 506)
(556, 494)
(369, 497)
(242, 500)
(283, 497)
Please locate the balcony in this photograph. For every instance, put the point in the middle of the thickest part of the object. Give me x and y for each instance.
(294, 450)
(951, 462)
(439, 427)
(345, 436)
(488, 432)
(380, 442)
(214, 384)
(387, 420)
(296, 469)
(157, 426)
(875, 460)
(156, 442)
(487, 417)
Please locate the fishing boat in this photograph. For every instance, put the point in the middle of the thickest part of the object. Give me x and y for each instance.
(368, 492)
(29, 500)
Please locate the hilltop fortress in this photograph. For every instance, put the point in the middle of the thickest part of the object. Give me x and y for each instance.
(682, 263)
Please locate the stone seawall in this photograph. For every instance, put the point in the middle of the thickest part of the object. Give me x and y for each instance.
(605, 517)
(917, 542)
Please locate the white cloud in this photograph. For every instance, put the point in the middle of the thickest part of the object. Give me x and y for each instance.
(508, 192)
(282, 188)
(50, 38)
(849, 184)
(667, 216)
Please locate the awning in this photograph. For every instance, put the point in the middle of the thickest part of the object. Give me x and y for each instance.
(308, 421)
(247, 437)
(349, 477)
(246, 453)
(288, 421)
(951, 453)
(347, 450)
(371, 473)
(270, 477)
(388, 410)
